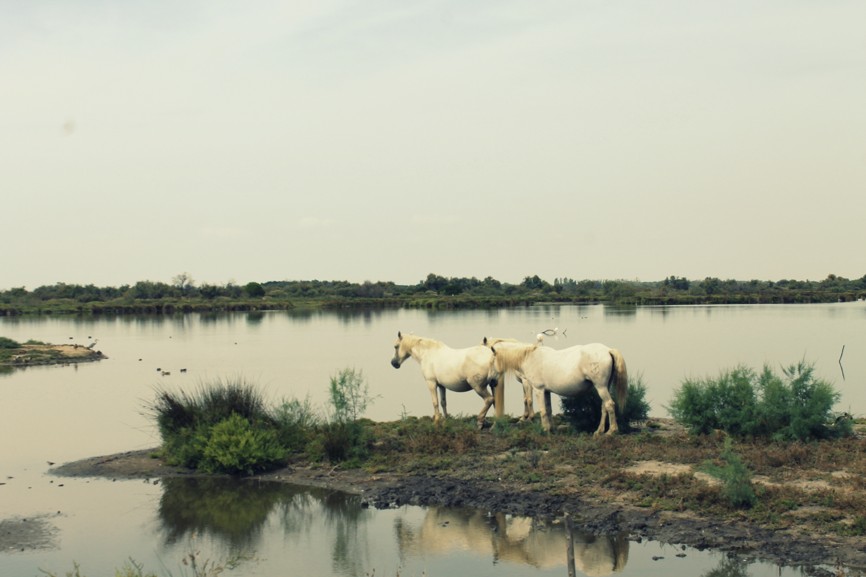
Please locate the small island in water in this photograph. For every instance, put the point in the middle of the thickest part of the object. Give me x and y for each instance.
(32, 353)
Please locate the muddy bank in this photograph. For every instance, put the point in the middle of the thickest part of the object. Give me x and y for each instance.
(31, 355)
(815, 553)
(754, 543)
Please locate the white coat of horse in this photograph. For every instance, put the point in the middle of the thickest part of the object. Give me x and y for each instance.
(568, 373)
(458, 370)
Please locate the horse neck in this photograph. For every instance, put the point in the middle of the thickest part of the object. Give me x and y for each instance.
(417, 345)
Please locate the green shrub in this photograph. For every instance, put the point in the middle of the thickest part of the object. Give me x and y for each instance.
(349, 396)
(809, 404)
(345, 437)
(187, 423)
(295, 421)
(235, 446)
(741, 402)
(728, 403)
(7, 343)
(583, 412)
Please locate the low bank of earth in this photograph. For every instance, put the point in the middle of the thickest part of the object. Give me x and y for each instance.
(648, 485)
(46, 354)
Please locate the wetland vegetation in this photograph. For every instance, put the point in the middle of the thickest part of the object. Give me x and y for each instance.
(183, 294)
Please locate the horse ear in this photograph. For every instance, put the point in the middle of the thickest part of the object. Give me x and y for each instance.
(484, 342)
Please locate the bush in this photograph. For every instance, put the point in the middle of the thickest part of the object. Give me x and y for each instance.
(741, 402)
(584, 411)
(728, 403)
(198, 429)
(296, 421)
(7, 343)
(799, 407)
(208, 406)
(235, 446)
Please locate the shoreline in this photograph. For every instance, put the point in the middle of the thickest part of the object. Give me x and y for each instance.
(817, 555)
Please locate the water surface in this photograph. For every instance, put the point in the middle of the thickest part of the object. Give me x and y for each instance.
(58, 414)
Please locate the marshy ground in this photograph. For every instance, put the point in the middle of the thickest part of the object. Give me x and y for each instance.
(650, 484)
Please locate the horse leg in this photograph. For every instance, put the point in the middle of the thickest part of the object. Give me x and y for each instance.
(442, 400)
(608, 412)
(489, 401)
(546, 412)
(528, 410)
(432, 386)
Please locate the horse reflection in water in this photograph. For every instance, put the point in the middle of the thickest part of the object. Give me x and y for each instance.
(506, 538)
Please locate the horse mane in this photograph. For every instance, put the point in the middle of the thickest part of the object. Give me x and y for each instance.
(510, 354)
(411, 340)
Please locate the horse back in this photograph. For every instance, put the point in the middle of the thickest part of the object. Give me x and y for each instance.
(451, 366)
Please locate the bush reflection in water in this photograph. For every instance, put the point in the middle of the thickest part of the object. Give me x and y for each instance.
(236, 511)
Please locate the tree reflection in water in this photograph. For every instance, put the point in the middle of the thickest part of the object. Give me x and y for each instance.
(237, 512)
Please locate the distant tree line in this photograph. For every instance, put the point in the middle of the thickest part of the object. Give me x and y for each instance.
(184, 294)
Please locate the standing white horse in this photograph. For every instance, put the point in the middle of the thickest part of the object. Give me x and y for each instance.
(459, 370)
(567, 372)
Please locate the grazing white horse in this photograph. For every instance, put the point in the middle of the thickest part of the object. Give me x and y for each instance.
(459, 370)
(567, 372)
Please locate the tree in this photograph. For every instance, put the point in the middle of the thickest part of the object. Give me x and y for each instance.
(183, 281)
(535, 283)
(254, 290)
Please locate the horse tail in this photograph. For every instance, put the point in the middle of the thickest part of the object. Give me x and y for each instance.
(619, 378)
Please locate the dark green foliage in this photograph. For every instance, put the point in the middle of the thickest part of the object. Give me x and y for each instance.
(7, 343)
(728, 403)
(182, 295)
(296, 423)
(236, 447)
(800, 406)
(741, 402)
(254, 289)
(224, 427)
(584, 411)
(735, 476)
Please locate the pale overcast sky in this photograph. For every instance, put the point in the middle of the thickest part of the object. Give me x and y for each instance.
(386, 139)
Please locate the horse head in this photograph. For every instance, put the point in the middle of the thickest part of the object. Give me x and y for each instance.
(401, 351)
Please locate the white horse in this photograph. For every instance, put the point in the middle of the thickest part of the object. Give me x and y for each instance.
(459, 370)
(567, 372)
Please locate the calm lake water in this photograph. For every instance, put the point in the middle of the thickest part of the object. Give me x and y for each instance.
(59, 414)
